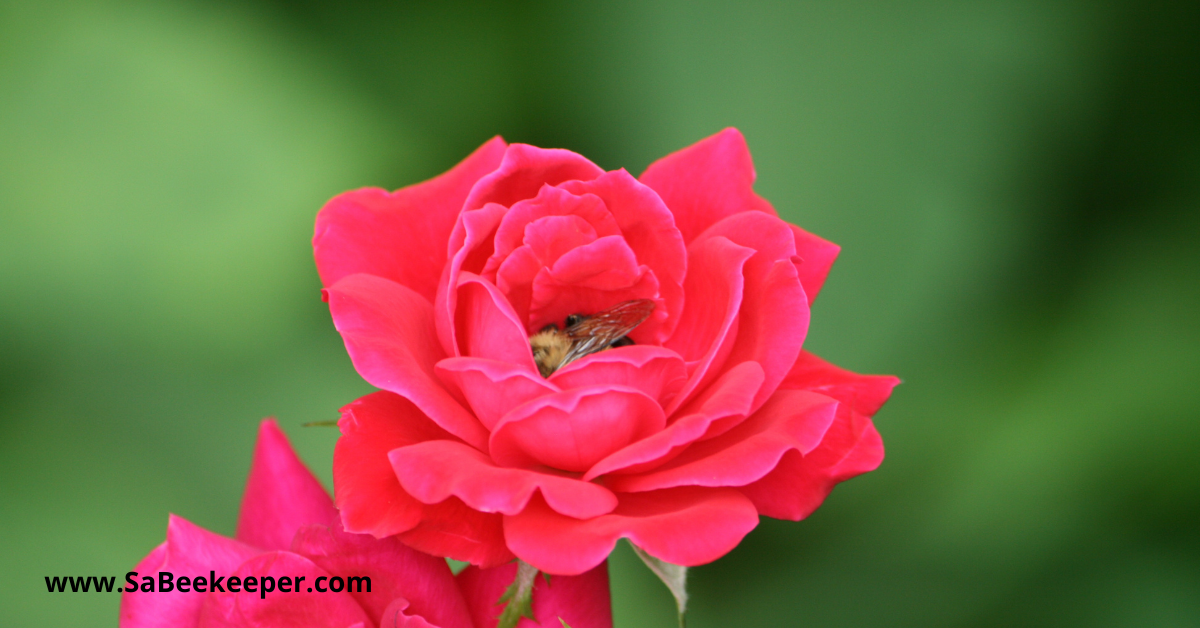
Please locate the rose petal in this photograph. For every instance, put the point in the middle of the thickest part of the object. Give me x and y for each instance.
(388, 330)
(189, 549)
(488, 327)
(454, 530)
(492, 388)
(865, 393)
(658, 372)
(281, 494)
(685, 526)
(791, 420)
(278, 609)
(772, 287)
(800, 483)
(574, 429)
(396, 571)
(372, 500)
(553, 236)
(706, 182)
(469, 248)
(515, 279)
(550, 202)
(397, 615)
(550, 238)
(581, 601)
(399, 235)
(649, 229)
(435, 470)
(708, 325)
(368, 494)
(729, 398)
(592, 278)
(524, 170)
(814, 258)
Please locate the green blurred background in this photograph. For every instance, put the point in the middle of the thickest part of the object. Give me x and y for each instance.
(1015, 185)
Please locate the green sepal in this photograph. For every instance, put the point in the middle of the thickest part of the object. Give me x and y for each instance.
(674, 576)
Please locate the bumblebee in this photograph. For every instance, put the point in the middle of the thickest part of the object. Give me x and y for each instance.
(554, 348)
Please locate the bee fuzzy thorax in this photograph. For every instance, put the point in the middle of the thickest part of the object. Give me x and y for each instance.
(550, 347)
(554, 348)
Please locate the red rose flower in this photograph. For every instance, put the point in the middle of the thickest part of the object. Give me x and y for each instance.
(705, 416)
(287, 529)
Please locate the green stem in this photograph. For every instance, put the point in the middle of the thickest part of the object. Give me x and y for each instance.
(519, 597)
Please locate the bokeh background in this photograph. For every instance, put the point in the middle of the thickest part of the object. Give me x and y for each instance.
(1016, 187)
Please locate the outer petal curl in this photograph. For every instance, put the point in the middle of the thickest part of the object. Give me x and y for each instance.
(790, 421)
(433, 471)
(685, 526)
(388, 330)
(368, 494)
(706, 182)
(852, 446)
(402, 234)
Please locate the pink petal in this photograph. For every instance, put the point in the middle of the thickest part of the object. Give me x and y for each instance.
(772, 288)
(592, 278)
(435, 470)
(399, 235)
(469, 248)
(685, 526)
(493, 388)
(791, 420)
(189, 549)
(649, 229)
(814, 258)
(549, 202)
(553, 236)
(453, 529)
(706, 182)
(581, 601)
(865, 393)
(549, 239)
(281, 494)
(708, 325)
(728, 399)
(388, 330)
(524, 170)
(487, 327)
(800, 483)
(278, 609)
(574, 429)
(659, 373)
(515, 279)
(368, 494)
(397, 615)
(396, 571)
(852, 446)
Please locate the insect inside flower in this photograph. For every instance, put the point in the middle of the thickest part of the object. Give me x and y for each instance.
(554, 348)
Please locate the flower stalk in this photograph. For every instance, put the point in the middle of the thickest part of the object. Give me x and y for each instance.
(519, 596)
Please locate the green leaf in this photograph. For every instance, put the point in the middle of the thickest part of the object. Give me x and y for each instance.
(674, 576)
(519, 597)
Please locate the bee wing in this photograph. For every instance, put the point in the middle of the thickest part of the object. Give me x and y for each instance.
(598, 332)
